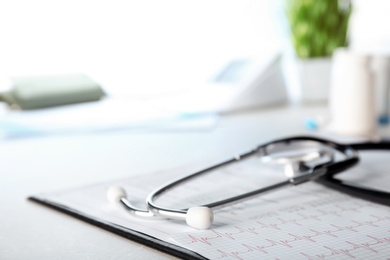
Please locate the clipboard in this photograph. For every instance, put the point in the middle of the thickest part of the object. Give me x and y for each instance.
(289, 222)
(139, 237)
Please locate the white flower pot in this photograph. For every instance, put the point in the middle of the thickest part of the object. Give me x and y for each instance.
(314, 79)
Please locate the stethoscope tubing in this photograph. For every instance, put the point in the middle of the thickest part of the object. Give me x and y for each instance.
(356, 190)
(327, 177)
(353, 189)
(323, 173)
(317, 172)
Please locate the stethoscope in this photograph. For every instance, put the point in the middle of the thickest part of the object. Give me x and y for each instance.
(304, 159)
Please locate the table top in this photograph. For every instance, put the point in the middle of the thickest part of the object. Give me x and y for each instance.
(43, 164)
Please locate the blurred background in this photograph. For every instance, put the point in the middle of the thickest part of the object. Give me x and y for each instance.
(136, 50)
(169, 84)
(133, 47)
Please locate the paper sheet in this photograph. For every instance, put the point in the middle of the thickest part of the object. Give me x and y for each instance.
(303, 222)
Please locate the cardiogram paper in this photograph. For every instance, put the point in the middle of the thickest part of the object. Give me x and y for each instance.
(303, 222)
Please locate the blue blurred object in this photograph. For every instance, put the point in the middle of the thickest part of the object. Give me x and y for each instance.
(311, 124)
(383, 120)
(96, 117)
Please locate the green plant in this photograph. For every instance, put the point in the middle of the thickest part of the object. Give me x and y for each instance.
(318, 27)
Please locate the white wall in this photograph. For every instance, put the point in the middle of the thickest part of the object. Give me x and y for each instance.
(131, 46)
(370, 26)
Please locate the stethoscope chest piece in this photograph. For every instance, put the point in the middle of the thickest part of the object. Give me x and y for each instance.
(295, 162)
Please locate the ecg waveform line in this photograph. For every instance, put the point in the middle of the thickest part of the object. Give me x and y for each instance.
(294, 237)
(278, 226)
(367, 245)
(347, 252)
(254, 230)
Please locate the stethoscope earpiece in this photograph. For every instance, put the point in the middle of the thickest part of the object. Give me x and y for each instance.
(199, 217)
(115, 194)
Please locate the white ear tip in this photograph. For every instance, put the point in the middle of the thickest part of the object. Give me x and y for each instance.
(115, 193)
(199, 217)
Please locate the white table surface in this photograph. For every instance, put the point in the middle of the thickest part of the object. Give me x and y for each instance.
(32, 165)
